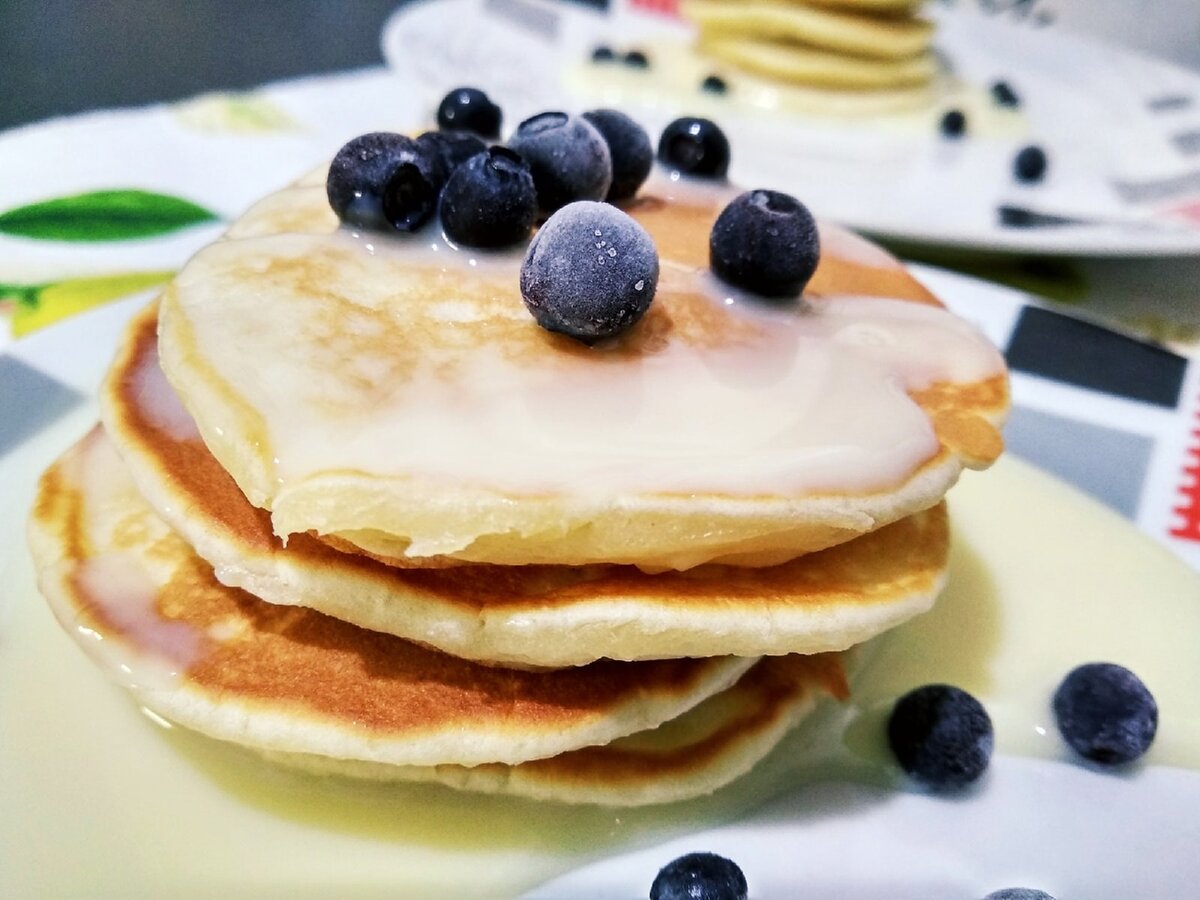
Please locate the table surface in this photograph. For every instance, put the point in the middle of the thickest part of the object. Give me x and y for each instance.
(66, 56)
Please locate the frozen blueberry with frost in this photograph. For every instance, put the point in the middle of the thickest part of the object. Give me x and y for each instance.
(568, 157)
(383, 181)
(699, 876)
(694, 146)
(941, 736)
(765, 242)
(1017, 893)
(1106, 713)
(450, 148)
(470, 109)
(953, 123)
(1030, 163)
(590, 272)
(489, 201)
(629, 149)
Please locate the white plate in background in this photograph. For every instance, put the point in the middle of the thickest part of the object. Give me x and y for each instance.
(1122, 130)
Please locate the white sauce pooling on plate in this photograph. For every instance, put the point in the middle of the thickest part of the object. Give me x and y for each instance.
(385, 370)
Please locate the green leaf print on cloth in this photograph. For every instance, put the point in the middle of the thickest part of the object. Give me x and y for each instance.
(115, 215)
(39, 305)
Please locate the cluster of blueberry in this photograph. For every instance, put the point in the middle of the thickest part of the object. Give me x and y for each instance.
(1030, 163)
(942, 736)
(635, 59)
(591, 270)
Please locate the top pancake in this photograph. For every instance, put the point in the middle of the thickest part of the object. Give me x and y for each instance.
(396, 394)
(530, 616)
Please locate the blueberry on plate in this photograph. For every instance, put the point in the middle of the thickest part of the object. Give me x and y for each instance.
(590, 272)
(568, 157)
(489, 201)
(1004, 95)
(629, 149)
(1030, 163)
(941, 736)
(699, 876)
(603, 54)
(469, 109)
(714, 84)
(1018, 893)
(450, 148)
(1105, 713)
(765, 242)
(383, 181)
(636, 59)
(953, 123)
(694, 146)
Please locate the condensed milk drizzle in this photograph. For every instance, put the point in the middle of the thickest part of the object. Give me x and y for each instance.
(159, 402)
(122, 629)
(740, 398)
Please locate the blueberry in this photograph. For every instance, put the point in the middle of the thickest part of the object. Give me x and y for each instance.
(941, 736)
(469, 109)
(1004, 95)
(699, 876)
(714, 84)
(1030, 163)
(489, 201)
(450, 148)
(1105, 713)
(636, 59)
(1018, 894)
(383, 181)
(590, 272)
(953, 123)
(765, 242)
(694, 146)
(568, 157)
(603, 54)
(629, 148)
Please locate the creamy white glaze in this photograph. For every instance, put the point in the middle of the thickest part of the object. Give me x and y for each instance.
(806, 397)
(848, 246)
(137, 647)
(159, 403)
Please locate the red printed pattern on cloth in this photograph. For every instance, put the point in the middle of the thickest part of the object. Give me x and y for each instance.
(666, 7)
(1188, 510)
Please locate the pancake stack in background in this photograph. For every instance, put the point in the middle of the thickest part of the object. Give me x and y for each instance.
(869, 54)
(374, 521)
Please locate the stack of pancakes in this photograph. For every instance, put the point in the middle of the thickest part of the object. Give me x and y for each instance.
(879, 48)
(352, 508)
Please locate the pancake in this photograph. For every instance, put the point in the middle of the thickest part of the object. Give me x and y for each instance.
(872, 36)
(872, 7)
(674, 86)
(704, 749)
(150, 613)
(797, 64)
(545, 616)
(396, 394)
